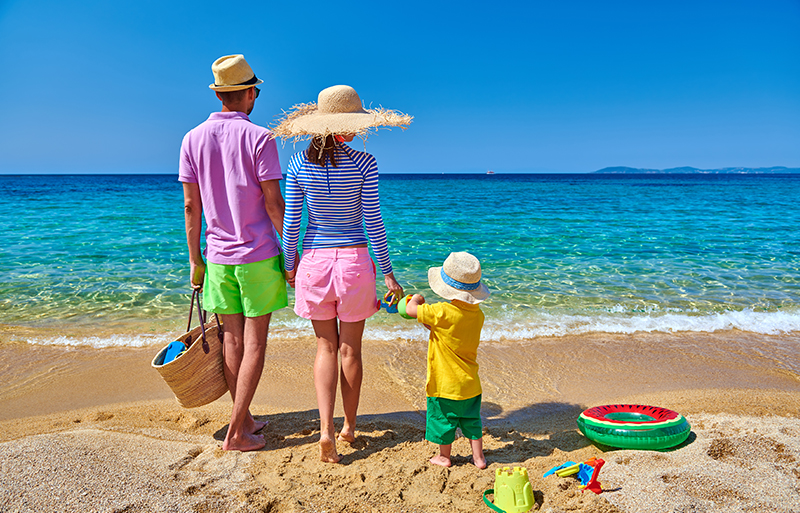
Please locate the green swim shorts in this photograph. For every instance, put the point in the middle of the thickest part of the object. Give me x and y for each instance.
(445, 415)
(254, 289)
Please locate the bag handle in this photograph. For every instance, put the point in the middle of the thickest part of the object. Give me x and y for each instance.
(488, 503)
(202, 319)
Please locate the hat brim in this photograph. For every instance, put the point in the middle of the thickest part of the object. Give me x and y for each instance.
(226, 89)
(305, 122)
(446, 291)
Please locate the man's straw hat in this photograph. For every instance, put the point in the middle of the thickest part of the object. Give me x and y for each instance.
(459, 278)
(232, 73)
(338, 111)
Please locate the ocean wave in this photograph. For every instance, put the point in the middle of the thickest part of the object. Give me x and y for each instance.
(548, 325)
(509, 326)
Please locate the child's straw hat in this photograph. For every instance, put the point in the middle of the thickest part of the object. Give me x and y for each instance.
(338, 111)
(459, 278)
(232, 73)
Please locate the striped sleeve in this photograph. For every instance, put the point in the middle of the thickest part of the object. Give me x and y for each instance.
(371, 205)
(292, 215)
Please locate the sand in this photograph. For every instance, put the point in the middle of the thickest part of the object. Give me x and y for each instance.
(83, 429)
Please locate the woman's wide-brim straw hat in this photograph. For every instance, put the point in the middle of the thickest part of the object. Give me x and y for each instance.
(338, 111)
(459, 278)
(232, 73)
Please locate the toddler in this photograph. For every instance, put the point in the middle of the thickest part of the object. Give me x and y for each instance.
(453, 386)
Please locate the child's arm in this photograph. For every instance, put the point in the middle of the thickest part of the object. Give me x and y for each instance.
(413, 303)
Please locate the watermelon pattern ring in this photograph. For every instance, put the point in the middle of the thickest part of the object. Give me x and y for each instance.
(634, 426)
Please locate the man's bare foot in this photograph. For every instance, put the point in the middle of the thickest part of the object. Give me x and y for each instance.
(327, 450)
(441, 461)
(479, 462)
(246, 442)
(253, 426)
(347, 436)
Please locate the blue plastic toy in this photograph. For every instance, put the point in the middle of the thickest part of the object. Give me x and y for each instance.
(563, 466)
(389, 302)
(174, 349)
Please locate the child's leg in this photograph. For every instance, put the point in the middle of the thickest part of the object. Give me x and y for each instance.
(472, 427)
(477, 453)
(443, 458)
(439, 430)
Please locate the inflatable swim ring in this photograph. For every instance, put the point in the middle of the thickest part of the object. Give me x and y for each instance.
(634, 426)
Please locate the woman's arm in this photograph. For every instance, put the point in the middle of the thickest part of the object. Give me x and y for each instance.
(291, 219)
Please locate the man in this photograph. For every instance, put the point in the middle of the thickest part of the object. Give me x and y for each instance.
(230, 173)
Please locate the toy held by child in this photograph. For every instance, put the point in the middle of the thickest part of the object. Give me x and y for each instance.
(453, 387)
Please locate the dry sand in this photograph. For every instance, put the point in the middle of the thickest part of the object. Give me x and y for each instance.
(73, 439)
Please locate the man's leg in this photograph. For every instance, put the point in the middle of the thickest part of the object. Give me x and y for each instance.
(245, 343)
(326, 375)
(350, 334)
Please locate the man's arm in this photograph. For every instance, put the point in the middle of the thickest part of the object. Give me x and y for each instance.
(273, 200)
(193, 212)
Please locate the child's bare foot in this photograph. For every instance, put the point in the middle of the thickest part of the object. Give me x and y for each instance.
(347, 436)
(441, 461)
(246, 442)
(327, 450)
(479, 462)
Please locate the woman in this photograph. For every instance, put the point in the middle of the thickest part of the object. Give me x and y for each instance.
(335, 278)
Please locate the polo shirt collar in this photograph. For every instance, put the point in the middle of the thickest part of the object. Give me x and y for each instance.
(221, 116)
(466, 306)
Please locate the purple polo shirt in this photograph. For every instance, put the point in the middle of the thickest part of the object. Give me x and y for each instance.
(228, 156)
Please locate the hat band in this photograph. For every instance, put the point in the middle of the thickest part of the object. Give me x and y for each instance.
(248, 82)
(460, 285)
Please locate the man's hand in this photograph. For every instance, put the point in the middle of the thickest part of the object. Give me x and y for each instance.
(197, 273)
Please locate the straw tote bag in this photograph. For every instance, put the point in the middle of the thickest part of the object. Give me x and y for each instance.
(196, 376)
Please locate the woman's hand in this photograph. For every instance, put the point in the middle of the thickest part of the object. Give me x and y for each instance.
(197, 273)
(392, 285)
(290, 277)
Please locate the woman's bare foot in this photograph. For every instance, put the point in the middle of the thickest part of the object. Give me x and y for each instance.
(327, 450)
(246, 442)
(441, 460)
(347, 436)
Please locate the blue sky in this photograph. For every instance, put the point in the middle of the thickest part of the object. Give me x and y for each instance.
(534, 86)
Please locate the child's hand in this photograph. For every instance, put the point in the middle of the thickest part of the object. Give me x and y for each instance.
(413, 303)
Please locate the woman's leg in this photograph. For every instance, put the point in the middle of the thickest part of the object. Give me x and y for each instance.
(326, 366)
(350, 334)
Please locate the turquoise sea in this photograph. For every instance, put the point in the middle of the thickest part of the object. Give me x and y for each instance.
(102, 260)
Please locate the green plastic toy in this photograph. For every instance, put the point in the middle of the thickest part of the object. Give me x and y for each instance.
(512, 491)
(401, 307)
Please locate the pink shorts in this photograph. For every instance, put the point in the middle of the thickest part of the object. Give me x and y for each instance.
(335, 282)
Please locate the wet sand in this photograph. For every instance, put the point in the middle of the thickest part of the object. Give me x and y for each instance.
(85, 429)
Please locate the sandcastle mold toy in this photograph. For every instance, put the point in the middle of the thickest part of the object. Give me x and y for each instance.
(512, 491)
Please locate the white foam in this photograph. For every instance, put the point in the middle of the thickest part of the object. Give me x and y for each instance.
(100, 342)
(512, 324)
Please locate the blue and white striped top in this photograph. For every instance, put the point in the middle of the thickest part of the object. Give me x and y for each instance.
(341, 201)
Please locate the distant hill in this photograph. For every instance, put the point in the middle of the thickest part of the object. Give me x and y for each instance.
(694, 170)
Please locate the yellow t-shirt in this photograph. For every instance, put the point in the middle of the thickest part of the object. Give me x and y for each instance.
(452, 349)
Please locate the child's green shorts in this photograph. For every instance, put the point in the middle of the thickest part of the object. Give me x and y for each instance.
(445, 415)
(254, 289)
